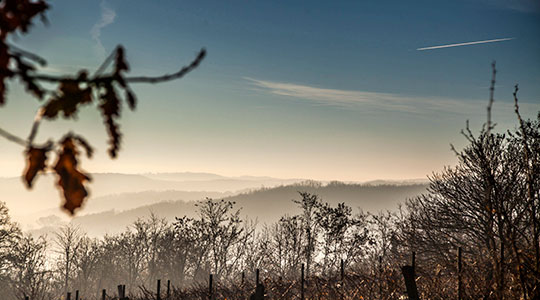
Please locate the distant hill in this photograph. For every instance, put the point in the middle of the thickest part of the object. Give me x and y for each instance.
(28, 205)
(266, 205)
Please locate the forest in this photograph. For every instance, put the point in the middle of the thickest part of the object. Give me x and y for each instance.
(473, 235)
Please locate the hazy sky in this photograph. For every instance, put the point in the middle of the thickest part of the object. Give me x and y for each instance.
(310, 89)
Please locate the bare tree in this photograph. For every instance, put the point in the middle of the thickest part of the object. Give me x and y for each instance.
(344, 235)
(309, 205)
(68, 241)
(28, 268)
(286, 242)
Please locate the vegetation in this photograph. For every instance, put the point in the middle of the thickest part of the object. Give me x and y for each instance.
(486, 209)
(487, 206)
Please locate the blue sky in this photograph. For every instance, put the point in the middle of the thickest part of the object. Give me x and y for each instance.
(312, 89)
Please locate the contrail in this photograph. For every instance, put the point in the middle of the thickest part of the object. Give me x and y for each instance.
(464, 44)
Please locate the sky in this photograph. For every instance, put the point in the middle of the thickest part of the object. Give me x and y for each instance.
(326, 90)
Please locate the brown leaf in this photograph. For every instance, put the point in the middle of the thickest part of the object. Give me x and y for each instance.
(30, 83)
(71, 95)
(131, 99)
(89, 150)
(37, 158)
(5, 73)
(110, 110)
(120, 62)
(17, 14)
(71, 180)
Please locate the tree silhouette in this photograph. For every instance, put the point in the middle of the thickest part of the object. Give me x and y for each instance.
(72, 93)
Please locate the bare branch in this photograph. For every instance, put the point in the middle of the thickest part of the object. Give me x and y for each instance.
(173, 76)
(13, 138)
(105, 63)
(138, 79)
(35, 125)
(18, 51)
(491, 92)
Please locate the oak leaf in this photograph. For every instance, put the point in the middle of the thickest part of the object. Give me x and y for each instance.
(71, 95)
(110, 110)
(37, 158)
(71, 180)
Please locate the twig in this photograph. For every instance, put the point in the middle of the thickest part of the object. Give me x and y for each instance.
(105, 63)
(40, 60)
(137, 79)
(35, 125)
(491, 92)
(516, 108)
(13, 138)
(173, 76)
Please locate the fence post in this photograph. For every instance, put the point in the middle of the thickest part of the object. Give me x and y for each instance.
(459, 287)
(302, 284)
(210, 288)
(342, 273)
(168, 288)
(68, 296)
(26, 298)
(77, 295)
(120, 296)
(342, 270)
(159, 289)
(380, 277)
(410, 282)
(256, 277)
(243, 277)
(103, 294)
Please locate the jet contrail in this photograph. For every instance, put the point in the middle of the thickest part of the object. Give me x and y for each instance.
(464, 44)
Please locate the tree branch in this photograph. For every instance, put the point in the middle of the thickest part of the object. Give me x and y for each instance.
(138, 79)
(491, 92)
(18, 51)
(173, 76)
(13, 138)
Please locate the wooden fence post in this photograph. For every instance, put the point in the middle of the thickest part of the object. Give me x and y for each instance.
(342, 273)
(243, 277)
(342, 270)
(380, 277)
(459, 287)
(77, 295)
(103, 294)
(158, 289)
(302, 285)
(210, 288)
(410, 282)
(68, 296)
(257, 277)
(168, 289)
(120, 296)
(26, 298)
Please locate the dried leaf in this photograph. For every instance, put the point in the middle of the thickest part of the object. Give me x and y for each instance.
(120, 62)
(30, 83)
(131, 99)
(110, 110)
(71, 180)
(4, 71)
(37, 158)
(71, 95)
(17, 14)
(89, 150)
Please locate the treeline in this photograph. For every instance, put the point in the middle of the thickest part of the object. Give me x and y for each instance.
(488, 205)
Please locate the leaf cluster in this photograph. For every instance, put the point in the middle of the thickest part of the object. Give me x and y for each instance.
(108, 91)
